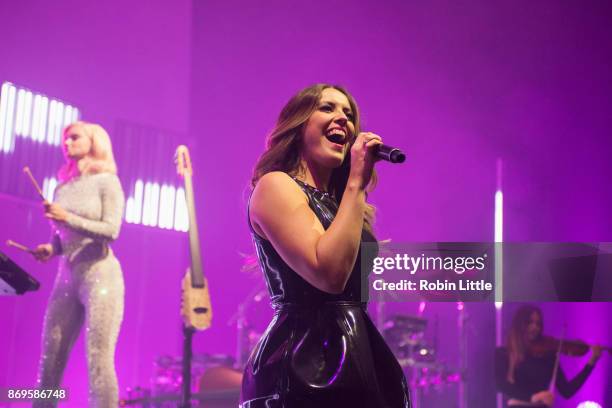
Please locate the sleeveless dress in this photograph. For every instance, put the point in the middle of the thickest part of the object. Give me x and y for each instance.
(320, 350)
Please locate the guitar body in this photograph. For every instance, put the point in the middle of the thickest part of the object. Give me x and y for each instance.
(195, 304)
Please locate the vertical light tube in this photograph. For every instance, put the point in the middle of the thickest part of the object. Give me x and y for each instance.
(154, 205)
(499, 264)
(161, 221)
(57, 134)
(138, 200)
(67, 116)
(44, 107)
(499, 261)
(35, 116)
(151, 204)
(146, 204)
(499, 236)
(20, 112)
(3, 104)
(9, 142)
(45, 187)
(499, 216)
(166, 207)
(181, 220)
(48, 187)
(51, 122)
(27, 115)
(134, 205)
(52, 186)
(129, 210)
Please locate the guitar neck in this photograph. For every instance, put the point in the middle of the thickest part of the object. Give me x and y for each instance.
(197, 274)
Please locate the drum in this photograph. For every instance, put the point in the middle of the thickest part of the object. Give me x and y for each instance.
(168, 373)
(220, 378)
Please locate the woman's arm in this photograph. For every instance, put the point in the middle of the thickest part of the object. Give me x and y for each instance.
(324, 258)
(569, 388)
(109, 224)
(45, 252)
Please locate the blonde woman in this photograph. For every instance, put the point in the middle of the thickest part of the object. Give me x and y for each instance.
(86, 215)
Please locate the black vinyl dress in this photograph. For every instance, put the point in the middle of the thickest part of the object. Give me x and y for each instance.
(320, 350)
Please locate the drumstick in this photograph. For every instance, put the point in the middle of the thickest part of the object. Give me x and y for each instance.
(28, 173)
(18, 246)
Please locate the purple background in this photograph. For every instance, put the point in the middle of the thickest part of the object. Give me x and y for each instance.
(457, 85)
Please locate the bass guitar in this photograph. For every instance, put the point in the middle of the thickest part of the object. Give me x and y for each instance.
(196, 309)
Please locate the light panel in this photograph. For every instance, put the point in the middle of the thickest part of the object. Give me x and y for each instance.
(33, 116)
(153, 205)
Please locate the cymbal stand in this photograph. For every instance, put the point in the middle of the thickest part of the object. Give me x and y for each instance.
(241, 322)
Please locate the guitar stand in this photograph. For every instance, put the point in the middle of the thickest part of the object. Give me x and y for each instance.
(187, 354)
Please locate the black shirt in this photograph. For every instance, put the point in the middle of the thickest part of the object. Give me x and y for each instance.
(533, 375)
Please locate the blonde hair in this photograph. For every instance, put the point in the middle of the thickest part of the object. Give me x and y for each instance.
(100, 158)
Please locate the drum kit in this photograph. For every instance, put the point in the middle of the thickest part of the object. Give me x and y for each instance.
(405, 335)
(215, 383)
(167, 377)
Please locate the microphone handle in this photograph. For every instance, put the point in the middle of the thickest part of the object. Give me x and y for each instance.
(390, 154)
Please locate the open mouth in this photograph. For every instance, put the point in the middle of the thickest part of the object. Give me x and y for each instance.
(336, 136)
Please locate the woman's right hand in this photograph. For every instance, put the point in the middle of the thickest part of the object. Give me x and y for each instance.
(43, 252)
(363, 157)
(544, 397)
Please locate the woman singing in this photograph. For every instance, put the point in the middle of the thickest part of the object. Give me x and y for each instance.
(308, 215)
(86, 214)
(524, 370)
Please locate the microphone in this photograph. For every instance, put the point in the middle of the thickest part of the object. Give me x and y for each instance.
(390, 154)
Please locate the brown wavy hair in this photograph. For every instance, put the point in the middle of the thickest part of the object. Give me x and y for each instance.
(517, 346)
(284, 144)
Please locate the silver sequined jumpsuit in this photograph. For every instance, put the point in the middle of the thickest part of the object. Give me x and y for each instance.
(88, 287)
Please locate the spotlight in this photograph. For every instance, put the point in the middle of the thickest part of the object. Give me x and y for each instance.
(589, 404)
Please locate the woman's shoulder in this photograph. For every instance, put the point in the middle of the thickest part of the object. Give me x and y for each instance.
(276, 182)
(105, 181)
(276, 188)
(275, 177)
(104, 178)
